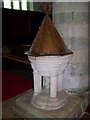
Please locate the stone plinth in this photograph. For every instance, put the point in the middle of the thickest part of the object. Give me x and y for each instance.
(44, 101)
(73, 108)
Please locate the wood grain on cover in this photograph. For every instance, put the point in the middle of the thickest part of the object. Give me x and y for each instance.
(48, 41)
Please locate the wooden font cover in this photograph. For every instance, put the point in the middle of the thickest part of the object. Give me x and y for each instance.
(48, 41)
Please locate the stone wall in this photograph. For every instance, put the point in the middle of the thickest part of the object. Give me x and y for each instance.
(71, 20)
(37, 6)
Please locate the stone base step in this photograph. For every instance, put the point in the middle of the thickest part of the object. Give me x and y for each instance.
(73, 109)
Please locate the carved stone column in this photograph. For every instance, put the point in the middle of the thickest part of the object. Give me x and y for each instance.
(53, 87)
(37, 81)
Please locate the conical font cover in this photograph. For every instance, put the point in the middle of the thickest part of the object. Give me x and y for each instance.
(48, 41)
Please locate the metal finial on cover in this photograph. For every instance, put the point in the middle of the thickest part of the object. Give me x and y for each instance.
(46, 8)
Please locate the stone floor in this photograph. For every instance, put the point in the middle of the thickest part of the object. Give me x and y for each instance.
(0, 110)
(7, 108)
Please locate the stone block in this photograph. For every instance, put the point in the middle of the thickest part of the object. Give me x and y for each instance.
(61, 18)
(73, 109)
(77, 82)
(80, 17)
(77, 69)
(71, 17)
(81, 43)
(80, 56)
(76, 43)
(73, 30)
(64, 7)
(80, 30)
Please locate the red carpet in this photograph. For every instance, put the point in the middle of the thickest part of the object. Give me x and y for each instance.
(88, 109)
(13, 84)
